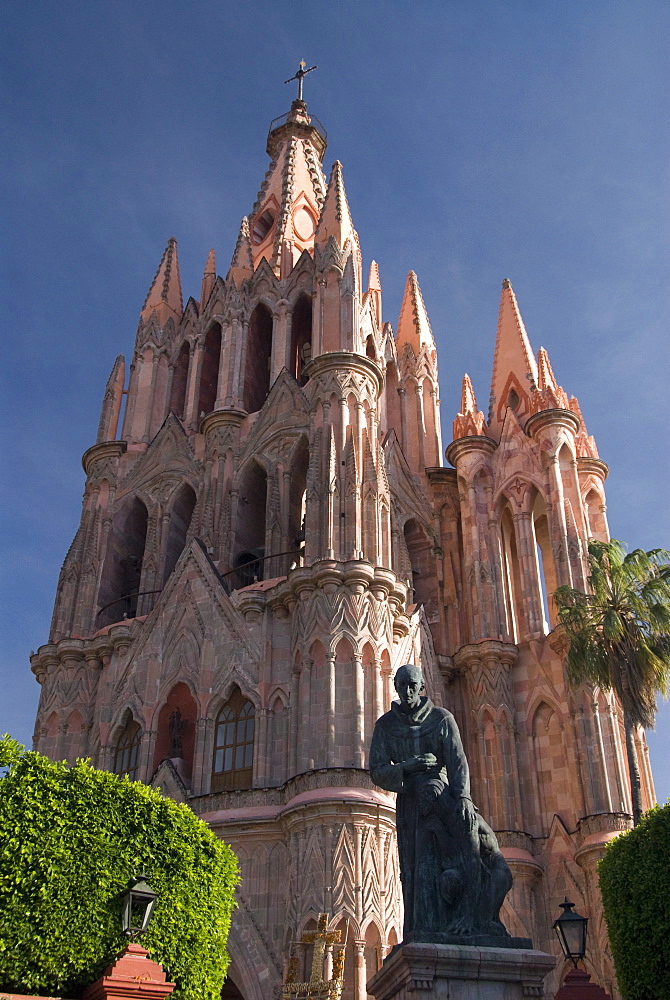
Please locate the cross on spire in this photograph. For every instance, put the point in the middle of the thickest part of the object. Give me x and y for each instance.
(299, 76)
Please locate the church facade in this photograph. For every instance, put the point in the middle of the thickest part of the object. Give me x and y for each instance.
(268, 533)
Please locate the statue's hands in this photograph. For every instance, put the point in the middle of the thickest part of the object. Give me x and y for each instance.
(468, 814)
(422, 762)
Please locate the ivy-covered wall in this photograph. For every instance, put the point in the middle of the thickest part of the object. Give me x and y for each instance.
(70, 840)
(635, 883)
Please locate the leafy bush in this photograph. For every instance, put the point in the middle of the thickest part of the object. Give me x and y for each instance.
(70, 840)
(635, 883)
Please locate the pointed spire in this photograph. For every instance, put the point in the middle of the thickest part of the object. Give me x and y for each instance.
(208, 279)
(335, 218)
(242, 265)
(514, 367)
(470, 421)
(165, 293)
(414, 325)
(375, 290)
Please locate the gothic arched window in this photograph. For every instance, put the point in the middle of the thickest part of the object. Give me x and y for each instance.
(127, 754)
(234, 744)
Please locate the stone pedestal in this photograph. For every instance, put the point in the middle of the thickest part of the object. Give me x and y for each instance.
(461, 972)
(133, 976)
(577, 985)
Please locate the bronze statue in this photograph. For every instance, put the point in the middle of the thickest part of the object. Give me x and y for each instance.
(454, 877)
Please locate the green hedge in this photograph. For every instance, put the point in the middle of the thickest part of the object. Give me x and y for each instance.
(70, 840)
(635, 883)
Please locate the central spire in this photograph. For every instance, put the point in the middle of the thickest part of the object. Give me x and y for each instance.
(284, 218)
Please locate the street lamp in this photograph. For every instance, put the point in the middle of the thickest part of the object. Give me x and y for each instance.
(571, 932)
(137, 905)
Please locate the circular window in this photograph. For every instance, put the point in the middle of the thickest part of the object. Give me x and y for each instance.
(262, 226)
(303, 223)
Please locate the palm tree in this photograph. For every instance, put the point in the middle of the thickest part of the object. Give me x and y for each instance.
(619, 635)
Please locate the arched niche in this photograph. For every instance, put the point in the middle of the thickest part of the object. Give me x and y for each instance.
(370, 349)
(234, 731)
(422, 562)
(122, 569)
(549, 763)
(250, 531)
(257, 363)
(175, 731)
(209, 371)
(180, 381)
(181, 513)
(301, 338)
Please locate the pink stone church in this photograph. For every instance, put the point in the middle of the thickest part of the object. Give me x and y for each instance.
(268, 532)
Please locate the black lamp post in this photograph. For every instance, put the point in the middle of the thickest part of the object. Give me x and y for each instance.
(137, 905)
(571, 932)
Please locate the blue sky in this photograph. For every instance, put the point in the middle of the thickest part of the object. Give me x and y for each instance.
(480, 140)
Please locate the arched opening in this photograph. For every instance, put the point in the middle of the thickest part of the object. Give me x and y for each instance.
(347, 936)
(230, 991)
(595, 515)
(209, 372)
(370, 349)
(234, 744)
(301, 338)
(392, 399)
(250, 533)
(422, 562)
(180, 520)
(180, 381)
(127, 751)
(373, 951)
(175, 736)
(546, 572)
(297, 502)
(258, 356)
(511, 576)
(122, 571)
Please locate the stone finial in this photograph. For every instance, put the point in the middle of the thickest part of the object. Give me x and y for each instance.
(470, 421)
(164, 297)
(208, 279)
(242, 264)
(335, 217)
(548, 394)
(375, 290)
(111, 404)
(414, 326)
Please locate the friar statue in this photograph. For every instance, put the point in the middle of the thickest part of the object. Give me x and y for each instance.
(454, 878)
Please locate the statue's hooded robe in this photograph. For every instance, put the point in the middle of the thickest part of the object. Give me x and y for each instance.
(423, 850)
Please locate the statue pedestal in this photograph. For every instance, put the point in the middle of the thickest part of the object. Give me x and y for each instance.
(461, 972)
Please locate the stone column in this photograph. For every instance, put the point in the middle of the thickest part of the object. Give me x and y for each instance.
(359, 710)
(330, 709)
(360, 973)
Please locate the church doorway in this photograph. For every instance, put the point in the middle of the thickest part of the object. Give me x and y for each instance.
(230, 991)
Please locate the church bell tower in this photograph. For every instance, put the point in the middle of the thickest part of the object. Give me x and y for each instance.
(268, 533)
